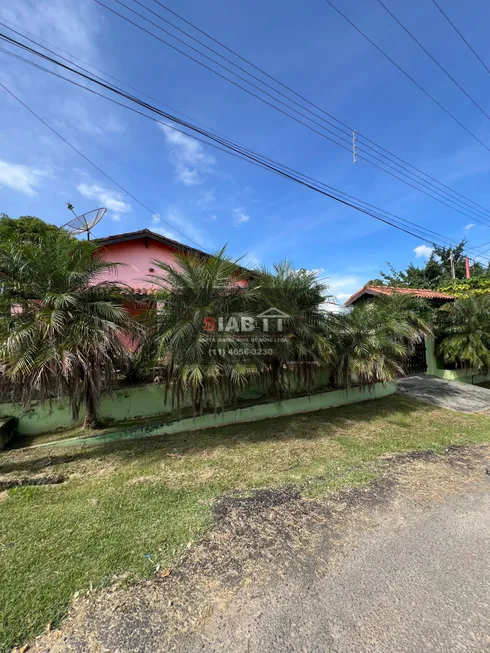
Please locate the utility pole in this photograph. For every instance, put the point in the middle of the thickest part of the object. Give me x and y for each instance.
(354, 146)
(451, 259)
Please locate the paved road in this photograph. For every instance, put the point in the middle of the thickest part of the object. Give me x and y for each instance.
(400, 567)
(464, 397)
(422, 585)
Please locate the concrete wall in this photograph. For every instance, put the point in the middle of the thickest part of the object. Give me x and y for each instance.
(464, 375)
(248, 414)
(123, 404)
(128, 403)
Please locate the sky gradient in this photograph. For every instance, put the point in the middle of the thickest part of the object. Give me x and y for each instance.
(214, 198)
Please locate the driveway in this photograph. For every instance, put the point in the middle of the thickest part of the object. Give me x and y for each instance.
(464, 397)
(401, 566)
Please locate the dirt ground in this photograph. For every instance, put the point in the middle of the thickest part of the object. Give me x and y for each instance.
(398, 565)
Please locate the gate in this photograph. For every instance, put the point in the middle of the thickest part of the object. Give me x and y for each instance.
(416, 363)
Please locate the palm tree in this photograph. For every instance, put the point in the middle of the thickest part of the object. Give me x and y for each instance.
(62, 328)
(304, 344)
(194, 358)
(373, 338)
(464, 331)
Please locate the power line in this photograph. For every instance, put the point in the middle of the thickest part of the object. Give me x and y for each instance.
(111, 179)
(302, 97)
(475, 213)
(235, 150)
(433, 58)
(393, 62)
(461, 36)
(345, 144)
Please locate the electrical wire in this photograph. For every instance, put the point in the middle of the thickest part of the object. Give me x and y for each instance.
(476, 214)
(302, 97)
(433, 58)
(461, 36)
(393, 62)
(229, 147)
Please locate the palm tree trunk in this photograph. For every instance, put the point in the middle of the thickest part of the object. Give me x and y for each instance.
(92, 419)
(92, 394)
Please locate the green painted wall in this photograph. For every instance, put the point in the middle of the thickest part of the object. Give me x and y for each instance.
(465, 375)
(123, 404)
(261, 411)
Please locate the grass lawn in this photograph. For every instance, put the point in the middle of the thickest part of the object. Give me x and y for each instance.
(126, 501)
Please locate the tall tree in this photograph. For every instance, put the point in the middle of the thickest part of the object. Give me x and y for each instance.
(373, 339)
(464, 332)
(62, 328)
(27, 227)
(437, 270)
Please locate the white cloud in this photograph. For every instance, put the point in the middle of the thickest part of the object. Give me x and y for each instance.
(115, 217)
(212, 217)
(155, 218)
(94, 123)
(71, 25)
(23, 179)
(166, 232)
(239, 217)
(110, 199)
(184, 225)
(423, 251)
(207, 198)
(187, 155)
(470, 226)
(342, 287)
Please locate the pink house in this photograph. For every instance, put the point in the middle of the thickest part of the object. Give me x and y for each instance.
(138, 250)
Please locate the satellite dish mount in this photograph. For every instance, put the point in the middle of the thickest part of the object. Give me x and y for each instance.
(83, 224)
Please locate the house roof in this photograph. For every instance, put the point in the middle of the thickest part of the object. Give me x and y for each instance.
(151, 235)
(384, 290)
(173, 244)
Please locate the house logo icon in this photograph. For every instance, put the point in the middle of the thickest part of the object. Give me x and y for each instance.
(272, 316)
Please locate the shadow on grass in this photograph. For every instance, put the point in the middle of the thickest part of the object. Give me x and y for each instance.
(303, 426)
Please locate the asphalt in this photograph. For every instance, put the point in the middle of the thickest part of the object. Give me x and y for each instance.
(455, 395)
(402, 566)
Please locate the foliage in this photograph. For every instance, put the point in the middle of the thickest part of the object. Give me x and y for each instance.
(191, 360)
(26, 228)
(462, 288)
(61, 327)
(437, 270)
(464, 331)
(374, 337)
(305, 344)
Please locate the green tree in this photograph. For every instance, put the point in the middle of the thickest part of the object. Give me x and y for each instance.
(437, 270)
(184, 344)
(372, 340)
(464, 332)
(305, 342)
(62, 329)
(27, 227)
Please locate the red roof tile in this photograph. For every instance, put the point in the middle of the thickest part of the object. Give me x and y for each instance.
(385, 290)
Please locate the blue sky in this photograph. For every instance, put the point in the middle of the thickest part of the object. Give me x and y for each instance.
(216, 199)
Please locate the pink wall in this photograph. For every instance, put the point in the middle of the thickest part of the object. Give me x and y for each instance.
(137, 256)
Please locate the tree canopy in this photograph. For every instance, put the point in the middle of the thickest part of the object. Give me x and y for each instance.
(26, 228)
(436, 273)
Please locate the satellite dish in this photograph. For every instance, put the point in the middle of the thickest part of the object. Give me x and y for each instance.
(84, 223)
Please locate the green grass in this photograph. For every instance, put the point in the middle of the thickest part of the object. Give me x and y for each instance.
(125, 501)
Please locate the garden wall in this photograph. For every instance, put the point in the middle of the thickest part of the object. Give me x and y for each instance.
(145, 401)
(265, 410)
(464, 375)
